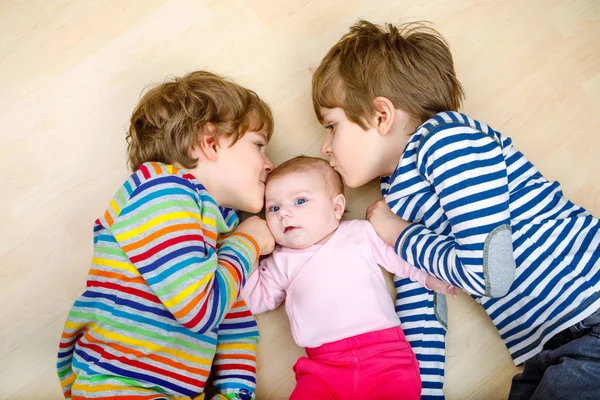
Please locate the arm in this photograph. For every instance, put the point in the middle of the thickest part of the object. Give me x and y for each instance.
(235, 358)
(234, 365)
(265, 289)
(161, 229)
(467, 170)
(385, 256)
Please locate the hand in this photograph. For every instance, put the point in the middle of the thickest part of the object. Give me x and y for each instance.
(440, 286)
(387, 224)
(257, 228)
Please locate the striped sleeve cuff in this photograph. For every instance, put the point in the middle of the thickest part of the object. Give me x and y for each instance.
(401, 246)
(247, 246)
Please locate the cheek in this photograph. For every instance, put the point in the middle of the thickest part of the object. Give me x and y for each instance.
(248, 160)
(347, 152)
(316, 218)
(339, 147)
(249, 169)
(348, 139)
(271, 222)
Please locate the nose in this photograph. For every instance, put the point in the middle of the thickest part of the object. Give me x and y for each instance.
(268, 164)
(284, 212)
(326, 146)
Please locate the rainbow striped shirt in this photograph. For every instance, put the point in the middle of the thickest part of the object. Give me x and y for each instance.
(161, 304)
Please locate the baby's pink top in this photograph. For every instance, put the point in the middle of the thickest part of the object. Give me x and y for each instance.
(332, 291)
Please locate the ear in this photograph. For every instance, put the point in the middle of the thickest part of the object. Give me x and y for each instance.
(385, 114)
(207, 146)
(339, 206)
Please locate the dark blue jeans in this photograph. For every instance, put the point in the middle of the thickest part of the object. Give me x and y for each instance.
(567, 368)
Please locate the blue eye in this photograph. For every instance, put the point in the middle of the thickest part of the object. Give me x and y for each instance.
(299, 202)
(273, 208)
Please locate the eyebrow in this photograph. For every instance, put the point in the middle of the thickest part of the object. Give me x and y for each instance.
(294, 194)
(263, 135)
(301, 191)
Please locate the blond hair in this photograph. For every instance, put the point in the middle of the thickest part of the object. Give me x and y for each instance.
(411, 65)
(171, 117)
(332, 178)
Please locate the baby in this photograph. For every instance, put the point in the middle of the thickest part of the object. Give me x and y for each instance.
(337, 301)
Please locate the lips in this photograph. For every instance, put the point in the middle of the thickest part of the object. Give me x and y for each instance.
(289, 229)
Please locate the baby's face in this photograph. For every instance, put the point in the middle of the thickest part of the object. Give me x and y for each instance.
(300, 210)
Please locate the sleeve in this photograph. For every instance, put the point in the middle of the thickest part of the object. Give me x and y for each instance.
(163, 231)
(234, 365)
(466, 167)
(265, 289)
(386, 256)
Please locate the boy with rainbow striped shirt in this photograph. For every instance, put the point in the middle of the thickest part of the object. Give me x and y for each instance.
(162, 302)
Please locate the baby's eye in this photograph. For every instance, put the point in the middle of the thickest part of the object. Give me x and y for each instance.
(273, 208)
(330, 127)
(260, 145)
(299, 202)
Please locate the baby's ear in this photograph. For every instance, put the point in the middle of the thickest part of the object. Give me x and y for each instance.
(339, 206)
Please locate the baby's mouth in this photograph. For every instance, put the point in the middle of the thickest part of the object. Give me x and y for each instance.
(289, 229)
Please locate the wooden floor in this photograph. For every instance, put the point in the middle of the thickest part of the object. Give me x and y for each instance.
(71, 72)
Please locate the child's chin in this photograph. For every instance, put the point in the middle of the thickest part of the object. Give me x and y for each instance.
(293, 244)
(354, 183)
(350, 183)
(253, 208)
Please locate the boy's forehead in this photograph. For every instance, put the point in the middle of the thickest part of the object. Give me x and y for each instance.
(331, 112)
(262, 133)
(325, 112)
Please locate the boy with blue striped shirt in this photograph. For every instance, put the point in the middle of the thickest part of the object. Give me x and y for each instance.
(464, 205)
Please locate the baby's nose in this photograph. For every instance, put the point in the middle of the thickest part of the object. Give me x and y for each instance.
(284, 212)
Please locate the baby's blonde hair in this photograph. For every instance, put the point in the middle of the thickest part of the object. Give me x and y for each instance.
(332, 178)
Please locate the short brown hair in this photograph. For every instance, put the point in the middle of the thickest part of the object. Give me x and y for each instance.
(332, 178)
(411, 65)
(170, 117)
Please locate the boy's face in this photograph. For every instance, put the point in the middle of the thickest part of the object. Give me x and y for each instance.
(353, 152)
(243, 170)
(300, 209)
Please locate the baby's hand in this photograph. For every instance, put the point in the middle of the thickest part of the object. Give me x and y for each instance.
(440, 286)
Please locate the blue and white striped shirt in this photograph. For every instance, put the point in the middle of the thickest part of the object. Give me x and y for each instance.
(487, 221)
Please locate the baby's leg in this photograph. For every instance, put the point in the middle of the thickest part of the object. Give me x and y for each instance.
(311, 381)
(390, 374)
